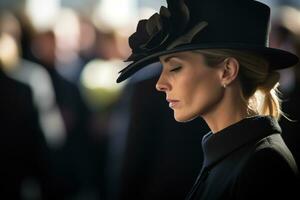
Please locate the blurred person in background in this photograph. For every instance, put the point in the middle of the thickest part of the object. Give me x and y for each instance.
(34, 75)
(103, 97)
(24, 156)
(74, 162)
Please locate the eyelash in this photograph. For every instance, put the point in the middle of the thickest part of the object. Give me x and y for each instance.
(175, 69)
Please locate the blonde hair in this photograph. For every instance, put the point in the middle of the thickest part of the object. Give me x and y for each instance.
(259, 85)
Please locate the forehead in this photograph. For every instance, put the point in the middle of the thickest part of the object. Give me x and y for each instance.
(166, 58)
(185, 56)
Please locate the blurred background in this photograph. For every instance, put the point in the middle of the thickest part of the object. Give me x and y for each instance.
(68, 131)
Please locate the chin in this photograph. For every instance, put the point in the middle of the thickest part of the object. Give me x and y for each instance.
(184, 118)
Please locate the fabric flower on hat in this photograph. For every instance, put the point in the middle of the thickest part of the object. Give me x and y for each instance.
(159, 29)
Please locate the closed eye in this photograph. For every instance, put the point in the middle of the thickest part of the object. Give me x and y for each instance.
(175, 69)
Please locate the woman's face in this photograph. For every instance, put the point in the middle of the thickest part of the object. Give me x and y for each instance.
(192, 88)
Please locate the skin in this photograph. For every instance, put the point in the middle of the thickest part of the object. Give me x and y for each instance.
(199, 89)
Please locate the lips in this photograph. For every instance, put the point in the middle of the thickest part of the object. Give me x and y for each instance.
(172, 102)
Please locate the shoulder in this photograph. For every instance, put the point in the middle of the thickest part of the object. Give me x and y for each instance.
(269, 171)
(272, 152)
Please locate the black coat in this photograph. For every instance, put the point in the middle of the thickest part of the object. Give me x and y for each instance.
(247, 160)
(22, 144)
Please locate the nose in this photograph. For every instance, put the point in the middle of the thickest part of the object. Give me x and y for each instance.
(162, 84)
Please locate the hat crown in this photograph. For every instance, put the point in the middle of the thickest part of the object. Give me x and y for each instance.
(231, 21)
(226, 21)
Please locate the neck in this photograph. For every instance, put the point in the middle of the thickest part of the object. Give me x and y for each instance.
(228, 111)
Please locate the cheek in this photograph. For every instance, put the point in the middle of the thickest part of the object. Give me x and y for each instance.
(202, 88)
(206, 92)
(201, 93)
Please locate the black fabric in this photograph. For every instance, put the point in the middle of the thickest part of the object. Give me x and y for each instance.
(247, 160)
(205, 24)
(23, 152)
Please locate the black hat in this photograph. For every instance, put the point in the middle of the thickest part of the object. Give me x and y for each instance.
(204, 24)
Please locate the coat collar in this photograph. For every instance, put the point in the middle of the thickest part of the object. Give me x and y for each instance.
(217, 146)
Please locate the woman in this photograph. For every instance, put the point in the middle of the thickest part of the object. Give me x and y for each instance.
(217, 65)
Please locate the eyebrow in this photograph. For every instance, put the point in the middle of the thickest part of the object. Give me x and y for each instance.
(170, 57)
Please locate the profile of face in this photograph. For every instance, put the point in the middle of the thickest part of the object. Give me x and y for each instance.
(192, 87)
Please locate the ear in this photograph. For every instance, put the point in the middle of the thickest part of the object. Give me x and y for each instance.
(229, 71)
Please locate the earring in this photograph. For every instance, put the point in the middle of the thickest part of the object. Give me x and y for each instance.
(224, 85)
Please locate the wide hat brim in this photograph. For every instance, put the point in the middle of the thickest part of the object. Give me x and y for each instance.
(277, 58)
